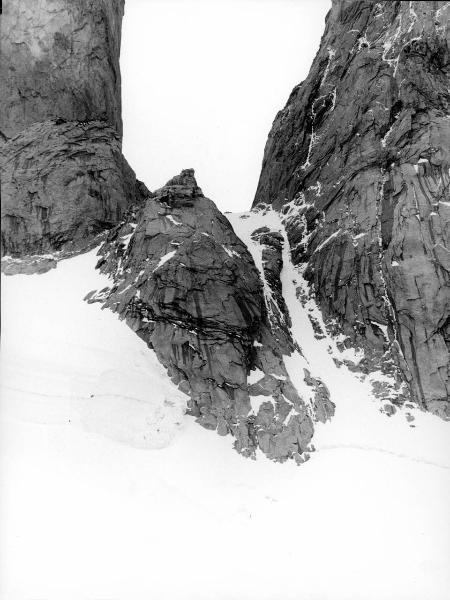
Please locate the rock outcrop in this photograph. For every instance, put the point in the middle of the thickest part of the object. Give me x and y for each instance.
(188, 286)
(358, 163)
(63, 176)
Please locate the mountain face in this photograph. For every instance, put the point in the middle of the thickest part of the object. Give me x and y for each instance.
(358, 163)
(334, 287)
(63, 175)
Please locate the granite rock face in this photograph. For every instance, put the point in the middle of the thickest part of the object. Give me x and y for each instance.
(63, 176)
(188, 286)
(60, 59)
(62, 184)
(358, 164)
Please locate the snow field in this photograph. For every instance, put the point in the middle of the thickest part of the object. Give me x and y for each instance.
(109, 492)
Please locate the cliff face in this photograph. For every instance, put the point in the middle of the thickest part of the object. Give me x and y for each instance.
(358, 164)
(63, 175)
(60, 59)
(62, 184)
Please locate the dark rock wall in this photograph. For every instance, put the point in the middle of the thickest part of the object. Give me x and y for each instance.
(358, 161)
(62, 184)
(60, 59)
(63, 176)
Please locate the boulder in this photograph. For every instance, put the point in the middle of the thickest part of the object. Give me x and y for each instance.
(188, 286)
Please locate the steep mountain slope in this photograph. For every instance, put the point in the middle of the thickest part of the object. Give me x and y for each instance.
(358, 163)
(63, 176)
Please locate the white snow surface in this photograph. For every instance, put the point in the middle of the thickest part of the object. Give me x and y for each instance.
(109, 492)
(230, 252)
(85, 362)
(173, 220)
(255, 376)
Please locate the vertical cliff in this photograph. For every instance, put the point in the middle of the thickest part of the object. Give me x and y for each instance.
(60, 59)
(63, 176)
(358, 163)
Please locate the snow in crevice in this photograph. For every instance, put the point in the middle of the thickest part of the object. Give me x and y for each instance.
(379, 10)
(164, 259)
(395, 43)
(314, 138)
(231, 253)
(125, 239)
(390, 43)
(413, 17)
(390, 311)
(333, 99)
(173, 220)
(385, 138)
(358, 237)
(317, 188)
(328, 240)
(331, 55)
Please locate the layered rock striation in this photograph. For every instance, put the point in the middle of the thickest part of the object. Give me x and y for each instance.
(189, 287)
(63, 176)
(358, 163)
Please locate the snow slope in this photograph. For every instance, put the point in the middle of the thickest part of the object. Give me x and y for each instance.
(109, 492)
(90, 368)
